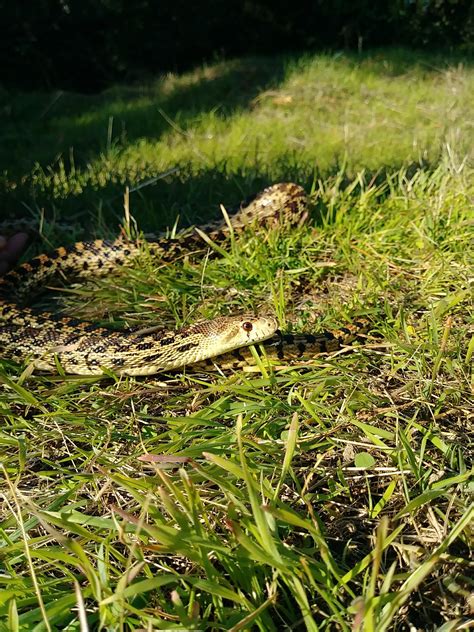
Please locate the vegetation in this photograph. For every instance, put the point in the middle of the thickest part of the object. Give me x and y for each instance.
(330, 496)
(86, 45)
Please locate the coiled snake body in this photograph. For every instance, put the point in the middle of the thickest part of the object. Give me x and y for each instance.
(50, 340)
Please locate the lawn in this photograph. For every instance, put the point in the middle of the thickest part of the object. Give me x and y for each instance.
(331, 496)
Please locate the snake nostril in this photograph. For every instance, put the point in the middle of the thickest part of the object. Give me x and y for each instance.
(247, 326)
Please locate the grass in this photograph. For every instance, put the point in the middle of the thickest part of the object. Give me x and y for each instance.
(334, 496)
(230, 129)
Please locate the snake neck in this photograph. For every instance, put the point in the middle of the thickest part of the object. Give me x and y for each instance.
(291, 348)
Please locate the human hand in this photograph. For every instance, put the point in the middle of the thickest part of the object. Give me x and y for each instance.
(11, 250)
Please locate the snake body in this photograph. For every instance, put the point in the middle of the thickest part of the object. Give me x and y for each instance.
(51, 340)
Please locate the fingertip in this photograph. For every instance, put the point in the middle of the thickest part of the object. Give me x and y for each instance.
(18, 240)
(14, 247)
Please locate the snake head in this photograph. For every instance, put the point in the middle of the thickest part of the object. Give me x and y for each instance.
(208, 338)
(226, 333)
(239, 331)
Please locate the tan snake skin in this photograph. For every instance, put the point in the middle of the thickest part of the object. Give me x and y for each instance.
(51, 340)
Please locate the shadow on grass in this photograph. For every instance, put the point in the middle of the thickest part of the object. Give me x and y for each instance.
(195, 198)
(40, 127)
(62, 132)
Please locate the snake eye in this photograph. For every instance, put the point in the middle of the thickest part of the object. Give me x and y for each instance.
(247, 326)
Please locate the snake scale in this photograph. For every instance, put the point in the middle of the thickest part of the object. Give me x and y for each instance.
(50, 340)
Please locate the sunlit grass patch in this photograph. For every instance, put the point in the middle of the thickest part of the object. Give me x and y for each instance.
(230, 128)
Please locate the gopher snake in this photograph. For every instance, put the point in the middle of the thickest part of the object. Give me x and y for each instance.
(50, 340)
